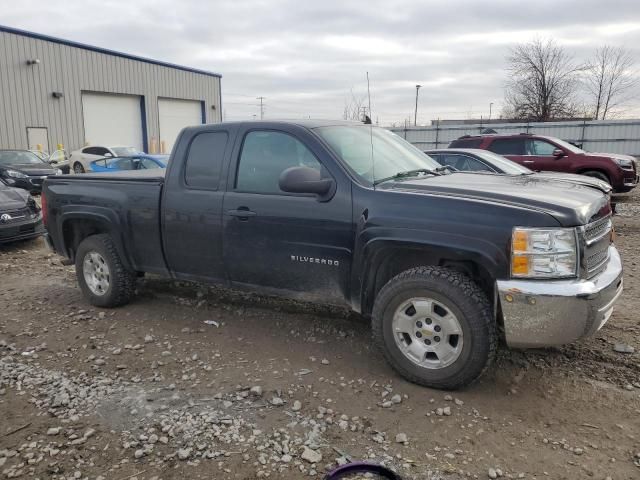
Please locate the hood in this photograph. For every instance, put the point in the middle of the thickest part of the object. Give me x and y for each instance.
(12, 198)
(32, 169)
(611, 155)
(592, 182)
(569, 203)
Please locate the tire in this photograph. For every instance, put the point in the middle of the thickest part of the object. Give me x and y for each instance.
(78, 168)
(450, 293)
(111, 283)
(598, 175)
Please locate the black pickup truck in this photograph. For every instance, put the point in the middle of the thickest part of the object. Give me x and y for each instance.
(445, 263)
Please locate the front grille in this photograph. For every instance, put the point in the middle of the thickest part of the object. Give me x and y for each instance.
(597, 238)
(14, 216)
(596, 230)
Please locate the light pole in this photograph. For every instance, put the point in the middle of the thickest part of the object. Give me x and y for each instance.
(490, 105)
(415, 117)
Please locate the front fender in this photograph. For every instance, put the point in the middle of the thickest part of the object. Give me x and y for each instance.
(430, 247)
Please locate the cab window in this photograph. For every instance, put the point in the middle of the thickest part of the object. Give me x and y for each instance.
(265, 155)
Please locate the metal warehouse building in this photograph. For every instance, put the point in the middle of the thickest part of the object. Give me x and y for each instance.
(54, 91)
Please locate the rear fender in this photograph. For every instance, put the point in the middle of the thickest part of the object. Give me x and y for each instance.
(86, 221)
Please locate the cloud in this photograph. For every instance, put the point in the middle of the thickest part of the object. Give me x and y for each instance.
(305, 57)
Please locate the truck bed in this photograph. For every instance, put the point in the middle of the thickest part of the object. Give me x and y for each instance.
(151, 175)
(129, 202)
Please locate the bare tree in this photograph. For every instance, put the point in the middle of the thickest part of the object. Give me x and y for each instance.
(609, 80)
(543, 81)
(354, 107)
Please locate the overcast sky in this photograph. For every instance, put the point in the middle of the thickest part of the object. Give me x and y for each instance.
(306, 56)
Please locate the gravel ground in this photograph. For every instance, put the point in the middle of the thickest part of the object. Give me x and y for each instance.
(196, 382)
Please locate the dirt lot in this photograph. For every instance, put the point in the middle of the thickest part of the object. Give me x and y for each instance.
(192, 382)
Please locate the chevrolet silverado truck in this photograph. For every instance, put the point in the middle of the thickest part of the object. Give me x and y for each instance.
(445, 264)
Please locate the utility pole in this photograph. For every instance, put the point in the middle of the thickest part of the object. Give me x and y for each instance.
(490, 105)
(261, 107)
(415, 117)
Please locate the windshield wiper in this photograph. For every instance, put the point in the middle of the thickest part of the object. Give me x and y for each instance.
(412, 173)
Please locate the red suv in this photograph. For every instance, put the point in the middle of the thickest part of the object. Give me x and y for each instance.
(540, 153)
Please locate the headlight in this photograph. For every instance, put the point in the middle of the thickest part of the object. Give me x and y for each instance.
(14, 174)
(624, 163)
(58, 172)
(544, 253)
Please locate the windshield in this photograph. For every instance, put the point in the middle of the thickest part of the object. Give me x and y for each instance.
(354, 145)
(504, 164)
(124, 151)
(568, 146)
(17, 157)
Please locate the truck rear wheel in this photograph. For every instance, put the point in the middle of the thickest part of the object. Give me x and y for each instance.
(102, 277)
(435, 327)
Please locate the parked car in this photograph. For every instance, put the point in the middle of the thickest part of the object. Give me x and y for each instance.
(20, 216)
(81, 159)
(484, 161)
(137, 162)
(60, 159)
(339, 212)
(543, 153)
(40, 154)
(24, 169)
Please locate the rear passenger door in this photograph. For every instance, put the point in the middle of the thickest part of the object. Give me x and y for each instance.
(192, 204)
(513, 148)
(284, 241)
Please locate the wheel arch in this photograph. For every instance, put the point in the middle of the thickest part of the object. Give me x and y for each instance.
(76, 226)
(386, 259)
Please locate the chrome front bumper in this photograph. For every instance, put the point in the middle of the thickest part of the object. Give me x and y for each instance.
(546, 313)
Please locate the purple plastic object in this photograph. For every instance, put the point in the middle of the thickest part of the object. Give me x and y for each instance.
(362, 467)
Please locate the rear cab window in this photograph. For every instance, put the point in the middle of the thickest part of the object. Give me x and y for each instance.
(203, 166)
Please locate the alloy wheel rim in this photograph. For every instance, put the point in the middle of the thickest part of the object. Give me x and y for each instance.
(427, 332)
(96, 273)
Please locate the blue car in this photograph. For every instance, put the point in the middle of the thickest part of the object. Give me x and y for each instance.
(136, 162)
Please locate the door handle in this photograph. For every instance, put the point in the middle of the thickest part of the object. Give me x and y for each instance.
(528, 161)
(243, 213)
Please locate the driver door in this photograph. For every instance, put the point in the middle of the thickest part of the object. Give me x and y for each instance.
(279, 240)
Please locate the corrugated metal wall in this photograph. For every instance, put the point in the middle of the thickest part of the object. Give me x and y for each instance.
(611, 136)
(26, 90)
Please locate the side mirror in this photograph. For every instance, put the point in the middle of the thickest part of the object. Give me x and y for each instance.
(108, 154)
(558, 153)
(306, 180)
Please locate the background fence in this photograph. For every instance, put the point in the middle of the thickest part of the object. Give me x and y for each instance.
(611, 136)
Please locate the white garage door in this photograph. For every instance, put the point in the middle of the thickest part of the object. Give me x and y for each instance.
(174, 115)
(111, 119)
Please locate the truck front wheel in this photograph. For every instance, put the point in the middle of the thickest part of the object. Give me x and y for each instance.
(102, 277)
(435, 327)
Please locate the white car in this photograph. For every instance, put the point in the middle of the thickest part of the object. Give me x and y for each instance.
(81, 159)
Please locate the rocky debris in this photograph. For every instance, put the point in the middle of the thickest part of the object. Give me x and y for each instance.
(311, 456)
(53, 431)
(148, 339)
(184, 453)
(325, 361)
(492, 473)
(297, 406)
(256, 391)
(396, 399)
(402, 438)
(277, 401)
(623, 348)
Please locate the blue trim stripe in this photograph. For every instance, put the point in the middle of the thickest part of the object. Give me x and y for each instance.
(143, 114)
(47, 38)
